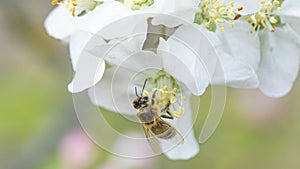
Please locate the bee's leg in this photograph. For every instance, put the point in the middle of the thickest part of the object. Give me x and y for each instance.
(167, 106)
(153, 97)
(169, 116)
(166, 109)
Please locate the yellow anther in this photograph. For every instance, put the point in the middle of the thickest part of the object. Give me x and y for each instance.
(222, 10)
(240, 7)
(54, 2)
(273, 20)
(173, 100)
(279, 9)
(154, 89)
(207, 25)
(165, 88)
(276, 2)
(175, 90)
(268, 5)
(222, 29)
(181, 110)
(232, 25)
(178, 113)
(213, 13)
(262, 2)
(232, 3)
(145, 93)
(219, 21)
(231, 15)
(184, 98)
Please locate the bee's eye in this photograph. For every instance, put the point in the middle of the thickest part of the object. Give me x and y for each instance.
(136, 105)
(143, 100)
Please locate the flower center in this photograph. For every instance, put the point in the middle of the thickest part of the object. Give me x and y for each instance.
(137, 4)
(215, 13)
(167, 91)
(266, 18)
(78, 7)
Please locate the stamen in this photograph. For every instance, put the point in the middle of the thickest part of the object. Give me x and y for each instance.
(266, 18)
(167, 91)
(163, 97)
(77, 7)
(138, 4)
(214, 13)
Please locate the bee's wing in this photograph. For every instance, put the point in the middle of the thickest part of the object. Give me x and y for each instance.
(152, 140)
(172, 135)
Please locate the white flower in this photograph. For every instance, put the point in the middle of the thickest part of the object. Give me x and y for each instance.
(115, 91)
(62, 25)
(270, 44)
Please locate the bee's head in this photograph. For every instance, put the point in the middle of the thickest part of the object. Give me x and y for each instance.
(140, 102)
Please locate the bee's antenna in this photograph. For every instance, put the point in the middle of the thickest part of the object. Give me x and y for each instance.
(136, 92)
(144, 87)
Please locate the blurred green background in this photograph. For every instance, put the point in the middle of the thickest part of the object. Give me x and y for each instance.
(38, 124)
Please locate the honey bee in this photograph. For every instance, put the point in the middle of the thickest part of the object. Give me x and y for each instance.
(155, 128)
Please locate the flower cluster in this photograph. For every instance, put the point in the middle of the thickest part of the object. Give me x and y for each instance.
(187, 44)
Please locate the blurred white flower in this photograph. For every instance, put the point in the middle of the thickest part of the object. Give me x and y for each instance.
(273, 47)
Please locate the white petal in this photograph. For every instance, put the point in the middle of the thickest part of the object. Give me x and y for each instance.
(128, 54)
(280, 62)
(235, 73)
(180, 12)
(102, 16)
(171, 6)
(239, 57)
(194, 49)
(115, 92)
(59, 23)
(241, 44)
(293, 22)
(77, 44)
(184, 65)
(290, 8)
(184, 126)
(89, 71)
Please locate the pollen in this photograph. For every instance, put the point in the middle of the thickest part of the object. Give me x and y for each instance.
(222, 29)
(240, 8)
(77, 7)
(215, 13)
(273, 20)
(178, 113)
(137, 4)
(164, 97)
(266, 18)
(146, 93)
